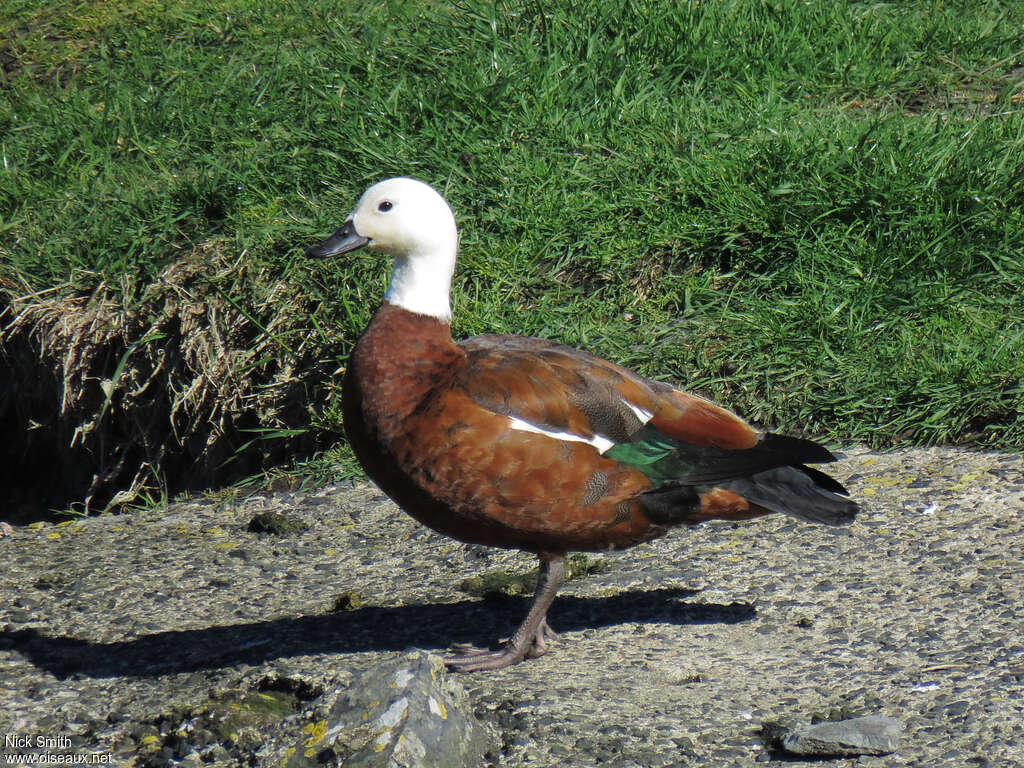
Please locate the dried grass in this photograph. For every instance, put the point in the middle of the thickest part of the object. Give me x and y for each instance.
(126, 394)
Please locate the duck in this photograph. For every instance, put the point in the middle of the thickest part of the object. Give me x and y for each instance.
(524, 443)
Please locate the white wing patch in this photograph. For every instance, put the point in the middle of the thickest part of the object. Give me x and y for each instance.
(641, 414)
(601, 443)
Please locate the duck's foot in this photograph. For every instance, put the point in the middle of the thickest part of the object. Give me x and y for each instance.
(469, 658)
(530, 640)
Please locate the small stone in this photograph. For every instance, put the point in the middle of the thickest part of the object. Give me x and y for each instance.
(48, 581)
(347, 601)
(675, 674)
(870, 735)
(216, 754)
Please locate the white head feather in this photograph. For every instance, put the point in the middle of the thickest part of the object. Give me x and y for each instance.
(411, 222)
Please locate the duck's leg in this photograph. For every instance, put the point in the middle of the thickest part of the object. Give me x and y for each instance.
(530, 639)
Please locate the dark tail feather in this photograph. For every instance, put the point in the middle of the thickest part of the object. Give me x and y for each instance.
(795, 449)
(827, 482)
(797, 491)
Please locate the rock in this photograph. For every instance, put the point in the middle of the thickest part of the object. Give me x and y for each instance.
(216, 754)
(347, 601)
(870, 735)
(670, 673)
(406, 714)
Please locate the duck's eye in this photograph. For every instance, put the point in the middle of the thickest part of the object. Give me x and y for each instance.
(385, 206)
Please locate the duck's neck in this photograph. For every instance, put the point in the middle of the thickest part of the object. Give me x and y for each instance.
(422, 282)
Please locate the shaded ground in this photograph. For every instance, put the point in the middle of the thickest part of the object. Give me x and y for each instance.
(115, 631)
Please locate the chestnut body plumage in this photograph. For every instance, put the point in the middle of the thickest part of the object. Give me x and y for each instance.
(519, 442)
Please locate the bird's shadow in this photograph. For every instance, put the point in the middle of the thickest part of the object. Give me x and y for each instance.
(371, 628)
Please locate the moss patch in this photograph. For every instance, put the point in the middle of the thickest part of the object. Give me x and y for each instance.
(503, 584)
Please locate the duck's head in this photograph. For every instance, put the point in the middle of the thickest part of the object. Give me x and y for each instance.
(409, 221)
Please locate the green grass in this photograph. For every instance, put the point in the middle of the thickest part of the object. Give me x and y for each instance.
(812, 212)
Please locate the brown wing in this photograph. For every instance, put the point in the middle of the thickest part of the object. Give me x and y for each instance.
(565, 389)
